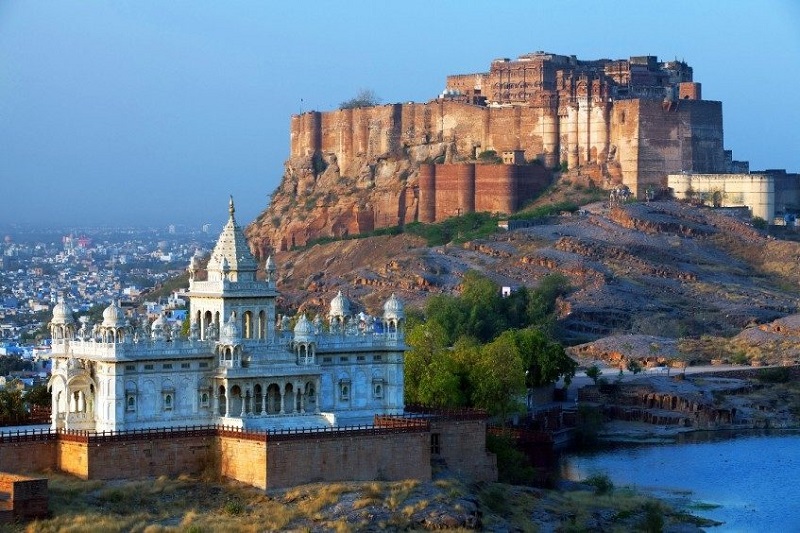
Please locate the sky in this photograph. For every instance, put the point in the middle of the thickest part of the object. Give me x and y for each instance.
(152, 112)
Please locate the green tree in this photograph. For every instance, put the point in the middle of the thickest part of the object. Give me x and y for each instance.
(634, 366)
(12, 408)
(545, 360)
(594, 373)
(364, 98)
(542, 301)
(427, 341)
(498, 376)
(38, 395)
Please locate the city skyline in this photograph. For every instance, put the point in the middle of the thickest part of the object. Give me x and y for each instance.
(151, 113)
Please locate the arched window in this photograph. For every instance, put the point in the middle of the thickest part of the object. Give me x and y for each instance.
(262, 325)
(247, 324)
(168, 402)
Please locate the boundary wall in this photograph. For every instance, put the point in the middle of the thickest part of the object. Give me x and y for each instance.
(22, 498)
(394, 448)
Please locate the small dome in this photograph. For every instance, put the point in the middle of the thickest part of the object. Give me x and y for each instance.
(61, 313)
(303, 330)
(113, 317)
(158, 327)
(194, 264)
(393, 309)
(230, 332)
(340, 306)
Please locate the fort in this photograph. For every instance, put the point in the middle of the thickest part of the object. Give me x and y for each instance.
(639, 119)
(625, 122)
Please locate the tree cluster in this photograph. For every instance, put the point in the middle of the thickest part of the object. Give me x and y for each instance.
(364, 98)
(484, 350)
(15, 406)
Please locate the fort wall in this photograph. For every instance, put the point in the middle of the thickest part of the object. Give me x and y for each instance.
(650, 138)
(756, 191)
(455, 189)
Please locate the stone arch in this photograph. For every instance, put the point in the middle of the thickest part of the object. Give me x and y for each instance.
(247, 325)
(290, 400)
(236, 401)
(310, 396)
(273, 399)
(223, 397)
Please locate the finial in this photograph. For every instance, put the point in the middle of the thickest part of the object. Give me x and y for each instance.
(231, 209)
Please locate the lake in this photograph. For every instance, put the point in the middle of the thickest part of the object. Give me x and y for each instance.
(754, 478)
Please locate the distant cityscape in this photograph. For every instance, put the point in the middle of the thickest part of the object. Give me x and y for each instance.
(88, 267)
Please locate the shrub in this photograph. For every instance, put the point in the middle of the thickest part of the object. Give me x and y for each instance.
(774, 375)
(513, 466)
(489, 156)
(601, 482)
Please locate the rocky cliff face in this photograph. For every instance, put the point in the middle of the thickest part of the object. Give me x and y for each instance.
(318, 198)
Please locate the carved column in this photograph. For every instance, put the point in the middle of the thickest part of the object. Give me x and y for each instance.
(282, 393)
(316, 395)
(263, 400)
(300, 390)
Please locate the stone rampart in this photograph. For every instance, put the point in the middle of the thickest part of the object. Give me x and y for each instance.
(449, 190)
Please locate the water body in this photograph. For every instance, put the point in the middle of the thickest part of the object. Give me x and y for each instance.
(754, 478)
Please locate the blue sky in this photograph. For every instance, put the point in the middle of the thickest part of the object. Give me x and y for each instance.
(153, 111)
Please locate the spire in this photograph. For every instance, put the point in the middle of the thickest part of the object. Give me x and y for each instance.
(232, 251)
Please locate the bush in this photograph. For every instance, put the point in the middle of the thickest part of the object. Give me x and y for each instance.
(601, 482)
(364, 98)
(489, 156)
(513, 466)
(774, 375)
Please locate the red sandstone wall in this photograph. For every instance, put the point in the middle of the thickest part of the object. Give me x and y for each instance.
(495, 188)
(120, 459)
(462, 444)
(358, 458)
(243, 459)
(427, 192)
(72, 457)
(25, 498)
(625, 137)
(29, 456)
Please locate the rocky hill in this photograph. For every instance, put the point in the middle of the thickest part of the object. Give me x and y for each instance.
(665, 269)
(318, 198)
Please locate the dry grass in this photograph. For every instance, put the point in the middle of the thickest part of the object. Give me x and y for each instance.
(190, 505)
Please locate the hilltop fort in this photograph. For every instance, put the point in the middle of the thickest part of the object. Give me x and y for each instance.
(608, 122)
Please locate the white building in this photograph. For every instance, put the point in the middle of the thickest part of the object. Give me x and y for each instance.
(238, 366)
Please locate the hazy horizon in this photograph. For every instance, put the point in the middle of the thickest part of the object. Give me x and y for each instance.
(152, 113)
